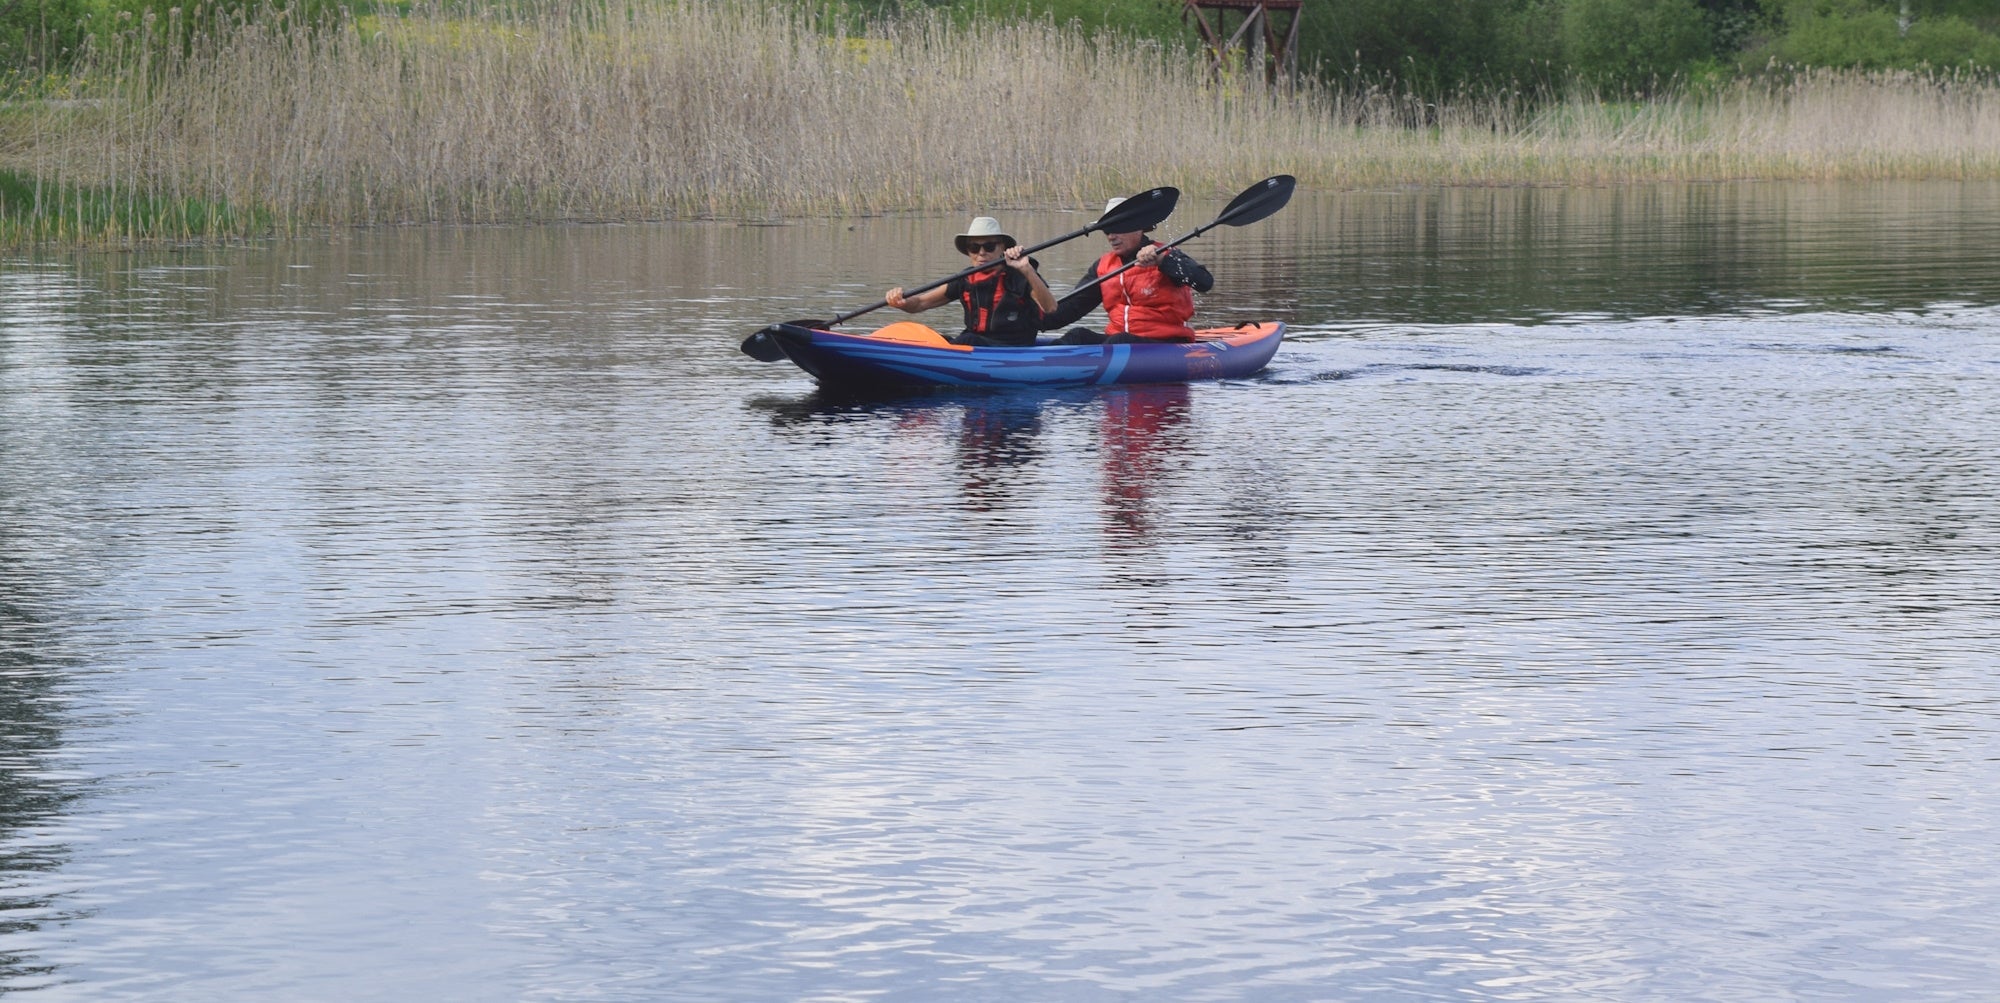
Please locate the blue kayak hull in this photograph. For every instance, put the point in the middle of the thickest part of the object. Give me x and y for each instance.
(858, 362)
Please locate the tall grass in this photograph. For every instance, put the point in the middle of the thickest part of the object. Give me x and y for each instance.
(52, 210)
(595, 109)
(1816, 125)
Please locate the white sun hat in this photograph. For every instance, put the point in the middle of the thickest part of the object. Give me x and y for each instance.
(982, 226)
(1113, 204)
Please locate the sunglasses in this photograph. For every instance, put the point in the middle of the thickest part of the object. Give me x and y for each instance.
(984, 245)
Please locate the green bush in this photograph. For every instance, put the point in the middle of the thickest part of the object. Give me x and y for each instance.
(1951, 42)
(1871, 35)
(1431, 47)
(38, 36)
(1634, 45)
(1437, 48)
(1735, 24)
(1983, 15)
(1845, 33)
(183, 19)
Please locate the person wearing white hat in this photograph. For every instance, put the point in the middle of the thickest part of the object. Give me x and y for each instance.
(1151, 301)
(1003, 306)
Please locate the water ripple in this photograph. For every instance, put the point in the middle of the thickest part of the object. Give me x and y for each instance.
(456, 614)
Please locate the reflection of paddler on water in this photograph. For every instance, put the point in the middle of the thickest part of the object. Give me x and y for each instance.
(993, 441)
(996, 444)
(1003, 306)
(1139, 430)
(996, 439)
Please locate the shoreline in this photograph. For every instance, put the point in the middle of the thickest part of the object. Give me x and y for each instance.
(742, 114)
(334, 233)
(17, 240)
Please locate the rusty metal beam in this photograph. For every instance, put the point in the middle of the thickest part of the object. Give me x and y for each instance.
(1279, 54)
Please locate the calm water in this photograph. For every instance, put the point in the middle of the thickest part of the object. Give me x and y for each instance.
(1596, 600)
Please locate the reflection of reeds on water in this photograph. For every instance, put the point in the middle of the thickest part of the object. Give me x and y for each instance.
(596, 110)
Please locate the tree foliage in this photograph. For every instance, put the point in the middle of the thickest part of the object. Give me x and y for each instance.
(1625, 45)
(1868, 34)
(1420, 46)
(1633, 45)
(39, 35)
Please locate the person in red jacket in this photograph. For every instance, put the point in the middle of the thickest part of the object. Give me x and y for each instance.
(1003, 306)
(1151, 301)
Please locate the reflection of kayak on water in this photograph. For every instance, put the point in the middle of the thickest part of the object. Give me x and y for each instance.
(910, 356)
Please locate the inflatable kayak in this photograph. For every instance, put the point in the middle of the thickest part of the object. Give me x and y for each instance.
(910, 356)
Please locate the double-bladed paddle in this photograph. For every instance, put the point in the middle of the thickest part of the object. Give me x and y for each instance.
(1257, 202)
(1140, 212)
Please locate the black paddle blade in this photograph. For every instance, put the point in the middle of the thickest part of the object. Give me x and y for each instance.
(764, 348)
(1259, 200)
(1140, 212)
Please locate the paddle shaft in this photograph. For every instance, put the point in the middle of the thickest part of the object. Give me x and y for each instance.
(1140, 212)
(1261, 200)
(1116, 217)
(928, 286)
(1253, 204)
(1134, 263)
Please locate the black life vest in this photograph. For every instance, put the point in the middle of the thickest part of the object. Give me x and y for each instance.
(1000, 304)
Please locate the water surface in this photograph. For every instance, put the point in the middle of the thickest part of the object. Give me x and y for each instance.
(1594, 600)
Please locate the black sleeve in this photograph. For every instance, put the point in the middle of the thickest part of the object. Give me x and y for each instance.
(1021, 291)
(1071, 308)
(1181, 269)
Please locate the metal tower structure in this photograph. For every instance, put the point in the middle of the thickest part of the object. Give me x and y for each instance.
(1258, 30)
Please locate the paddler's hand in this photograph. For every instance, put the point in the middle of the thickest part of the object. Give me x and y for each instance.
(895, 299)
(1149, 257)
(1017, 259)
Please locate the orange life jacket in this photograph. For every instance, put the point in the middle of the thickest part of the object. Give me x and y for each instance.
(1143, 302)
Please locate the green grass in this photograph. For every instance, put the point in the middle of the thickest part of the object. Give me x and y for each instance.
(36, 210)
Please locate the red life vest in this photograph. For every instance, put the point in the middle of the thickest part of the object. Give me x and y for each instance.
(1143, 302)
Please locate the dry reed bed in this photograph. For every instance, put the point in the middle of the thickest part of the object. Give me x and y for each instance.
(707, 108)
